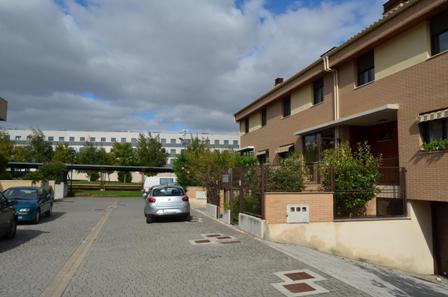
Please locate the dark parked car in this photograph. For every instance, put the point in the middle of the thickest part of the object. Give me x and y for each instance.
(30, 202)
(8, 220)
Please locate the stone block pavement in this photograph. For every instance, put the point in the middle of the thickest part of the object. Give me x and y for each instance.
(132, 258)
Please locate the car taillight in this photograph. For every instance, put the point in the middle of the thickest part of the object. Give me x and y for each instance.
(185, 199)
(151, 199)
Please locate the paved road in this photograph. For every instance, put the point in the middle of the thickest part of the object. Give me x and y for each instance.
(131, 258)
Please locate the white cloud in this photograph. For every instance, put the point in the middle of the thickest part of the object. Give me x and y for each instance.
(192, 62)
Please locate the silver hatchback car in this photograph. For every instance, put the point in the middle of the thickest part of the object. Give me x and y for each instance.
(166, 201)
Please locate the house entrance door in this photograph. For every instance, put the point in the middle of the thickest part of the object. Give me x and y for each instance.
(440, 221)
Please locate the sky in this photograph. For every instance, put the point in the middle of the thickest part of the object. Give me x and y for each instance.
(120, 65)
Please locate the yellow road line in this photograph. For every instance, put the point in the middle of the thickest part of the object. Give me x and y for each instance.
(62, 279)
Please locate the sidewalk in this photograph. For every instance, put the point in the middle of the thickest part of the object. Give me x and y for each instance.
(374, 280)
(369, 278)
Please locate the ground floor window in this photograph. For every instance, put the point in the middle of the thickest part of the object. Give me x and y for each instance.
(314, 145)
(435, 130)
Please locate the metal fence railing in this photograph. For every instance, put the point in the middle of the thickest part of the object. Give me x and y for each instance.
(245, 188)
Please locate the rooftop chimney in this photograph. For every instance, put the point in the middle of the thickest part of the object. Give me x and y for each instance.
(392, 4)
(278, 81)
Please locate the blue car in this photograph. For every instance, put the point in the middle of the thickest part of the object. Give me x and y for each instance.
(30, 203)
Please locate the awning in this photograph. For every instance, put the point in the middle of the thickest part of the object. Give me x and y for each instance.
(435, 115)
(245, 149)
(382, 114)
(261, 153)
(284, 149)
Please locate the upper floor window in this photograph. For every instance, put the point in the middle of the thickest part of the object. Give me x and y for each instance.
(134, 140)
(318, 91)
(216, 141)
(18, 137)
(172, 141)
(235, 142)
(226, 142)
(173, 151)
(50, 138)
(72, 139)
(263, 117)
(163, 140)
(286, 106)
(123, 140)
(92, 139)
(61, 139)
(439, 33)
(366, 68)
(246, 125)
(103, 139)
(82, 139)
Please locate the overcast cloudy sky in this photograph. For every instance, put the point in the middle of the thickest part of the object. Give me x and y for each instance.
(158, 64)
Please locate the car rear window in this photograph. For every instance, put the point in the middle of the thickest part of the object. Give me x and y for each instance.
(168, 191)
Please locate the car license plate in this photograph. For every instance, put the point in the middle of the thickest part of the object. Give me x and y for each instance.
(20, 217)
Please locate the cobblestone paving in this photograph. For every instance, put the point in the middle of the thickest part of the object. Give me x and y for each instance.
(29, 261)
(131, 258)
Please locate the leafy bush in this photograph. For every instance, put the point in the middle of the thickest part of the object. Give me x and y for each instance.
(287, 177)
(355, 177)
(93, 175)
(53, 170)
(34, 176)
(436, 145)
(124, 177)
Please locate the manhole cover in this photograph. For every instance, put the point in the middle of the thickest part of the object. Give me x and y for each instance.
(299, 288)
(202, 241)
(298, 276)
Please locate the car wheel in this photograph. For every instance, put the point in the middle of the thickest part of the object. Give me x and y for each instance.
(12, 229)
(149, 220)
(188, 218)
(36, 219)
(50, 211)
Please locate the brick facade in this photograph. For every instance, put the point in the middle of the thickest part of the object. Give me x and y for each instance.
(320, 206)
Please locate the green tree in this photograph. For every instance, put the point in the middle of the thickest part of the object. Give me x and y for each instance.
(6, 145)
(40, 150)
(150, 151)
(65, 154)
(123, 154)
(355, 177)
(53, 170)
(88, 154)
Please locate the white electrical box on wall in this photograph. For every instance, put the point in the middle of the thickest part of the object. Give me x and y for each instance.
(297, 213)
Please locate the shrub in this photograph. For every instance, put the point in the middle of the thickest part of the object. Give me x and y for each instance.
(287, 177)
(93, 176)
(124, 177)
(436, 145)
(34, 176)
(355, 177)
(53, 170)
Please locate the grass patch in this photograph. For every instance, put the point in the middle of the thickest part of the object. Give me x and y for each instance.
(98, 193)
(87, 182)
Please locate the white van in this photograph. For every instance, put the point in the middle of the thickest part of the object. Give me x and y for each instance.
(151, 181)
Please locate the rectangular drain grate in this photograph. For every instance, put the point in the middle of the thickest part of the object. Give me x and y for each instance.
(298, 276)
(202, 241)
(299, 288)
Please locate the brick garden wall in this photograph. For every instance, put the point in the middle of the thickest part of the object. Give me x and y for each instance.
(320, 205)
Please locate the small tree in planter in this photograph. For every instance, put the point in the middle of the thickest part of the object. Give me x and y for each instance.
(355, 177)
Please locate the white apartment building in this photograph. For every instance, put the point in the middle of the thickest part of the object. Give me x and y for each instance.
(173, 142)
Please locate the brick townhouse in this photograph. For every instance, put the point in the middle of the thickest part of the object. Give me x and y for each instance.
(387, 85)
